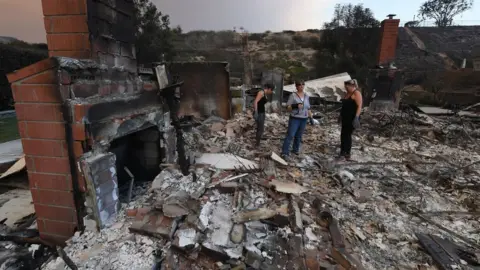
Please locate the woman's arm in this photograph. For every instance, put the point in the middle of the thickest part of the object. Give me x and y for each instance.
(309, 111)
(290, 102)
(359, 100)
(257, 99)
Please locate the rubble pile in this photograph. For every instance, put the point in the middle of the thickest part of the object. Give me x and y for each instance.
(246, 208)
(451, 130)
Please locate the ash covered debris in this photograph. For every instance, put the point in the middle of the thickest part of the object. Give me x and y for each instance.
(413, 175)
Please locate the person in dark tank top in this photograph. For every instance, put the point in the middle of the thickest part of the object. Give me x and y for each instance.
(349, 117)
(259, 110)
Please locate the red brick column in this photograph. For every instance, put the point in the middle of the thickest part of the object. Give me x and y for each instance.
(100, 30)
(42, 130)
(388, 41)
(66, 27)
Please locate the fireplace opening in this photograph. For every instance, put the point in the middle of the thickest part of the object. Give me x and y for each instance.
(140, 154)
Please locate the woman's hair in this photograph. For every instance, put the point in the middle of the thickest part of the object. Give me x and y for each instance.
(351, 82)
(299, 82)
(269, 86)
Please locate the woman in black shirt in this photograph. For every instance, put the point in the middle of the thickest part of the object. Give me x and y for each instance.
(259, 110)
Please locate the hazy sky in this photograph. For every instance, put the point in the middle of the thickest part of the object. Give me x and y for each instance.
(23, 19)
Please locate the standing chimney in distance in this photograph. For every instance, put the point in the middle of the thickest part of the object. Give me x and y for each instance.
(388, 40)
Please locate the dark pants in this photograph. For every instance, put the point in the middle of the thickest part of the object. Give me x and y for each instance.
(346, 137)
(260, 127)
(296, 127)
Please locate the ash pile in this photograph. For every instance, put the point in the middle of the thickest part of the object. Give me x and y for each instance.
(409, 200)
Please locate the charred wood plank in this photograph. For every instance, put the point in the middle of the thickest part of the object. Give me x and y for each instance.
(438, 254)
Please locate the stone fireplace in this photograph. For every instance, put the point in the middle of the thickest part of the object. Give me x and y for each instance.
(84, 113)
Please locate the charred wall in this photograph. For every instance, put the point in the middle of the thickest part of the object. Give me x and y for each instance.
(102, 30)
(206, 89)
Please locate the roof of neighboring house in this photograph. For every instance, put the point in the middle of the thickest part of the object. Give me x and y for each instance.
(330, 88)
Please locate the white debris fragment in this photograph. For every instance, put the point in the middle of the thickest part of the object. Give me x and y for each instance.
(186, 237)
(225, 161)
(346, 176)
(235, 252)
(287, 187)
(220, 225)
(310, 235)
(205, 214)
(33, 248)
(278, 159)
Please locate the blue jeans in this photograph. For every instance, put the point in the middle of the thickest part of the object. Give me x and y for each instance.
(296, 127)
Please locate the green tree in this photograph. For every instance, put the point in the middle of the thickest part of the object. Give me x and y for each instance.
(350, 16)
(154, 37)
(443, 11)
(348, 42)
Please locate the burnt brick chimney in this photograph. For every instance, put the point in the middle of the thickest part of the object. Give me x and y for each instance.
(54, 100)
(388, 40)
(101, 30)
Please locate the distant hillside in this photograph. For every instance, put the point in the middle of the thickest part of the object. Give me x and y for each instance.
(6, 40)
(289, 50)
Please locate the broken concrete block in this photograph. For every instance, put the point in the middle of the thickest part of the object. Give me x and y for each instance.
(176, 205)
(296, 253)
(297, 215)
(278, 159)
(225, 161)
(215, 127)
(232, 178)
(252, 215)
(229, 132)
(253, 260)
(229, 187)
(238, 233)
(235, 252)
(287, 187)
(185, 238)
(90, 224)
(346, 177)
(150, 230)
(213, 252)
